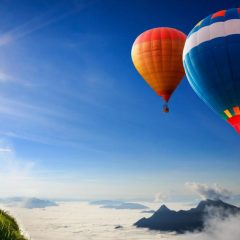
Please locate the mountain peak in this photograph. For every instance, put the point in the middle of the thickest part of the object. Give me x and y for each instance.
(214, 203)
(163, 208)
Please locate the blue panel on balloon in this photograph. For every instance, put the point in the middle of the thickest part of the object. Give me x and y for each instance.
(212, 62)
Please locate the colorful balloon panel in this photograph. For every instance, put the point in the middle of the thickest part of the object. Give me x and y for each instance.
(157, 55)
(211, 60)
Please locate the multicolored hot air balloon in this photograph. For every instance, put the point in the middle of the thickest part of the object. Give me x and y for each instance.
(157, 55)
(212, 63)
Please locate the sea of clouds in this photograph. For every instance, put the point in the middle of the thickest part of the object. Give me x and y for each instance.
(80, 220)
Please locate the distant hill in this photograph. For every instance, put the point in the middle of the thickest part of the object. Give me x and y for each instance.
(9, 229)
(118, 204)
(106, 202)
(28, 202)
(38, 203)
(181, 221)
(126, 206)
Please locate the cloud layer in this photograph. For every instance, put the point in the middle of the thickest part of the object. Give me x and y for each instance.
(79, 220)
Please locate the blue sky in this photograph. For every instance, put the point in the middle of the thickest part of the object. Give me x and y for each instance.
(77, 120)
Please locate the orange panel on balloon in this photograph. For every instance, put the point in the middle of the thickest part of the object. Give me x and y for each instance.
(157, 55)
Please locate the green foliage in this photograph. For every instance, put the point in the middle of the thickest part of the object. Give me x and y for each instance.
(9, 229)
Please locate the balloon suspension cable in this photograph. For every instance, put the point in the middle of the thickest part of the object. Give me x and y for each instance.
(165, 108)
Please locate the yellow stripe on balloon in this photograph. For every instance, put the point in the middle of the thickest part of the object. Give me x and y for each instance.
(227, 112)
(199, 23)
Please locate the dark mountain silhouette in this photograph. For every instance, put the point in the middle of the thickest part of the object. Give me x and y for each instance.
(181, 221)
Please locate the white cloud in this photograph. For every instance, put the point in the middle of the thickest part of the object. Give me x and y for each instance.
(214, 192)
(217, 228)
(160, 197)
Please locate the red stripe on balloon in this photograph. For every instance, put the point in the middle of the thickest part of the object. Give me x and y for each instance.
(159, 33)
(219, 14)
(235, 122)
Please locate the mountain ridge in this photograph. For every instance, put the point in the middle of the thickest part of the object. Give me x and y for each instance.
(191, 220)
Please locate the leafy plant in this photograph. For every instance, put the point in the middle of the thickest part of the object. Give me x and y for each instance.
(9, 229)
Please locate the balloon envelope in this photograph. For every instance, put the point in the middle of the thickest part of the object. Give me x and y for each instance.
(212, 63)
(157, 55)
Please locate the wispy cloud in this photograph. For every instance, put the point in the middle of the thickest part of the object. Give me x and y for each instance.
(24, 177)
(5, 150)
(14, 173)
(4, 77)
(53, 15)
(46, 125)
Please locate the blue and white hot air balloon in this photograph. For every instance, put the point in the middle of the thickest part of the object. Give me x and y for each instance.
(211, 59)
